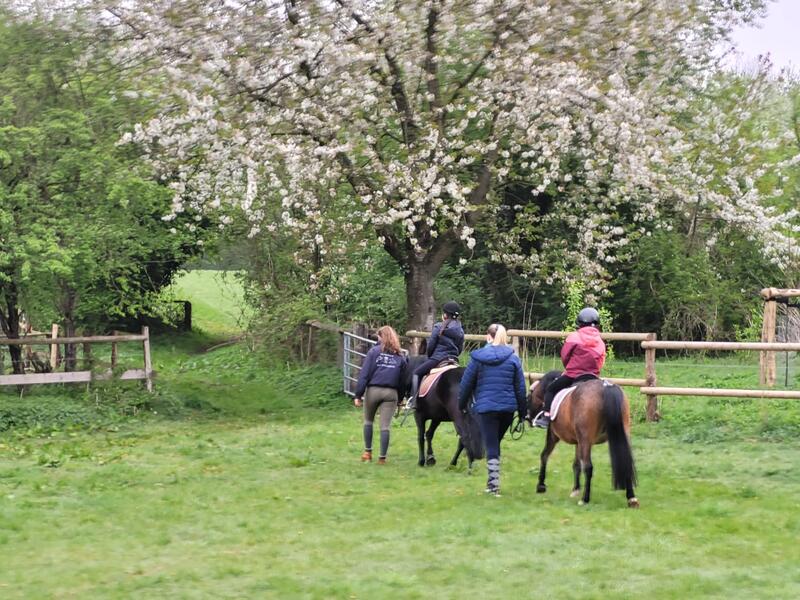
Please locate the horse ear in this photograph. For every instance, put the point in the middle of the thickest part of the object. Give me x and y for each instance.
(533, 385)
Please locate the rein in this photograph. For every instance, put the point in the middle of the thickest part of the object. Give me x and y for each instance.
(518, 430)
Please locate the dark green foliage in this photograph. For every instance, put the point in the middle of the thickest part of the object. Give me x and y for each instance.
(45, 409)
(488, 293)
(685, 292)
(82, 239)
(369, 290)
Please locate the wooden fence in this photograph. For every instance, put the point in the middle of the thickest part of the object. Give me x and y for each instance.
(146, 374)
(763, 347)
(650, 344)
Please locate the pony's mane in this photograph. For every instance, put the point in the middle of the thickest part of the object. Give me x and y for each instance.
(548, 378)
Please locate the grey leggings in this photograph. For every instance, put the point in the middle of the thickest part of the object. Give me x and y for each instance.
(383, 399)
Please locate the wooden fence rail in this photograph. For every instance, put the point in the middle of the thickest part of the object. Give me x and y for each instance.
(723, 346)
(721, 392)
(146, 374)
(96, 339)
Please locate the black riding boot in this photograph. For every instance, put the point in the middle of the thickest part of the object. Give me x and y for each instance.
(412, 399)
(542, 420)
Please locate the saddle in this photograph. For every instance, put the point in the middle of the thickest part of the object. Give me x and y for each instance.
(431, 378)
(558, 399)
(561, 394)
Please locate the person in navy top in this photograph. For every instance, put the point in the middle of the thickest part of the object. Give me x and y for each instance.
(495, 378)
(446, 342)
(379, 383)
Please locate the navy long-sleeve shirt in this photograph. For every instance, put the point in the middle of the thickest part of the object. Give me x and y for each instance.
(383, 369)
(447, 340)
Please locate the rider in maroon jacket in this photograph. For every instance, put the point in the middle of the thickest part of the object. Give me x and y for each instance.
(583, 355)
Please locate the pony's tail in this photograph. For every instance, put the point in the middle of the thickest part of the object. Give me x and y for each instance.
(623, 471)
(471, 436)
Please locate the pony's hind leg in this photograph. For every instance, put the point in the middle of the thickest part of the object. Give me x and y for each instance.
(420, 420)
(633, 501)
(460, 448)
(576, 471)
(549, 445)
(430, 459)
(585, 452)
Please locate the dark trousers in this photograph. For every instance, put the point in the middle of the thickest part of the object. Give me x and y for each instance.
(426, 367)
(562, 382)
(493, 427)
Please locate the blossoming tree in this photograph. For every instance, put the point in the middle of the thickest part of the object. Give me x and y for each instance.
(407, 120)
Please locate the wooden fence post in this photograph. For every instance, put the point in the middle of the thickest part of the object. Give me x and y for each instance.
(650, 377)
(767, 366)
(114, 352)
(148, 363)
(88, 362)
(515, 344)
(54, 347)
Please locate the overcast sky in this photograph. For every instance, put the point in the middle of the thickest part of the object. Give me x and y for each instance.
(779, 35)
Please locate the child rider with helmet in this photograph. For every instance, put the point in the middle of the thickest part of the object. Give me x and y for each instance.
(583, 355)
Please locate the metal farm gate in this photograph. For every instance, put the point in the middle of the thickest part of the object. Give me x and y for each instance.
(355, 349)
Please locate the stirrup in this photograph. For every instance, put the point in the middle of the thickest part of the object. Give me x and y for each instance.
(541, 420)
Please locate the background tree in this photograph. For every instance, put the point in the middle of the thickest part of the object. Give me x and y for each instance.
(407, 121)
(82, 238)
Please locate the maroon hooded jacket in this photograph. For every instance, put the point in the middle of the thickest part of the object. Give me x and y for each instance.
(583, 352)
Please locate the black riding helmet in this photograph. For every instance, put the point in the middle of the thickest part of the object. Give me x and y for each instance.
(588, 316)
(451, 309)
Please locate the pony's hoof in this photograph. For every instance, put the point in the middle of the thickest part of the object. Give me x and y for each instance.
(541, 488)
(421, 463)
(430, 461)
(582, 503)
(633, 503)
(574, 493)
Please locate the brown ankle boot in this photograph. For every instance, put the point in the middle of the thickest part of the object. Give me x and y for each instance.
(366, 456)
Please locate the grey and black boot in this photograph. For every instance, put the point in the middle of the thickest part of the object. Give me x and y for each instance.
(493, 482)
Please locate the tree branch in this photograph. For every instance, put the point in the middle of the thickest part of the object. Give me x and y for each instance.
(431, 59)
(397, 86)
(392, 244)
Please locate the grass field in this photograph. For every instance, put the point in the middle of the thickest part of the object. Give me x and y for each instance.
(218, 306)
(236, 481)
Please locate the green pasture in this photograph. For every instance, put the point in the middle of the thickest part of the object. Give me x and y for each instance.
(240, 478)
(247, 483)
(218, 306)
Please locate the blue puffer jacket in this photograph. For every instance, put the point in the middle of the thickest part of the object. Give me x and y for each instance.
(495, 376)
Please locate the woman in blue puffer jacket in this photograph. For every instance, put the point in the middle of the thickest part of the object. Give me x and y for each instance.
(494, 375)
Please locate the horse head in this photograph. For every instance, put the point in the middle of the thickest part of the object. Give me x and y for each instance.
(536, 393)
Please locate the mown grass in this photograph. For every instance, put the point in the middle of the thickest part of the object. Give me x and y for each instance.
(218, 306)
(240, 478)
(257, 491)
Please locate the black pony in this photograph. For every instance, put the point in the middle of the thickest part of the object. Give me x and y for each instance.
(441, 404)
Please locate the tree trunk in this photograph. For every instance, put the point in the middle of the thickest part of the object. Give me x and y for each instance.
(420, 273)
(9, 319)
(16, 357)
(70, 350)
(421, 310)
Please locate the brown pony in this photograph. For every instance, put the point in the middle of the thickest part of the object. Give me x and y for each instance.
(594, 412)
